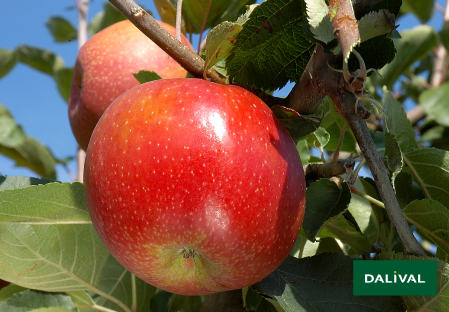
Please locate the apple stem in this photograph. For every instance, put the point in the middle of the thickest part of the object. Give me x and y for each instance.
(178, 20)
(134, 293)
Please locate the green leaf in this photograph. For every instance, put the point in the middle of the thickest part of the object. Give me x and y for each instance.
(394, 156)
(444, 36)
(423, 9)
(321, 283)
(435, 105)
(81, 298)
(347, 233)
(63, 79)
(426, 303)
(349, 143)
(272, 48)
(29, 300)
(407, 190)
(8, 291)
(236, 10)
(415, 44)
(196, 10)
(166, 10)
(297, 125)
(11, 182)
(53, 203)
(146, 76)
(431, 219)
(106, 18)
(376, 24)
(319, 138)
(252, 299)
(220, 41)
(8, 59)
(430, 167)
(41, 60)
(319, 22)
(304, 151)
(159, 302)
(33, 155)
(184, 303)
(61, 29)
(398, 123)
(324, 201)
(11, 134)
(116, 281)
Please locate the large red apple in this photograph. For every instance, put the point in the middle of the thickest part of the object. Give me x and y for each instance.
(104, 69)
(194, 187)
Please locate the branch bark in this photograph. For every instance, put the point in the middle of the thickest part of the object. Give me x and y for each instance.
(179, 52)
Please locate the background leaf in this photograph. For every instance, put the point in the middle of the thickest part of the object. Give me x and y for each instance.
(298, 126)
(39, 59)
(423, 9)
(29, 300)
(63, 79)
(8, 59)
(110, 15)
(61, 29)
(146, 76)
(272, 48)
(321, 283)
(435, 105)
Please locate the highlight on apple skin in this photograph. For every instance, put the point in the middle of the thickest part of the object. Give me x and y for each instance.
(194, 187)
(104, 69)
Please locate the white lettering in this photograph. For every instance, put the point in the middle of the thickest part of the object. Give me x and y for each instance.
(411, 278)
(378, 278)
(369, 278)
(403, 279)
(419, 279)
(386, 279)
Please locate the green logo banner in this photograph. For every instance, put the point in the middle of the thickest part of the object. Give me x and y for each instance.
(395, 278)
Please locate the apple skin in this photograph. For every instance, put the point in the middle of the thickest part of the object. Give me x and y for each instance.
(104, 69)
(194, 187)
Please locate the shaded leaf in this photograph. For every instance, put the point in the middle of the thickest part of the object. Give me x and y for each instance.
(8, 59)
(220, 41)
(159, 302)
(63, 79)
(61, 29)
(304, 151)
(430, 168)
(184, 303)
(407, 190)
(394, 156)
(431, 219)
(324, 201)
(435, 105)
(81, 298)
(41, 60)
(321, 283)
(319, 138)
(272, 48)
(297, 125)
(166, 10)
(397, 123)
(146, 76)
(444, 35)
(426, 303)
(195, 11)
(349, 143)
(29, 300)
(10, 290)
(252, 299)
(236, 10)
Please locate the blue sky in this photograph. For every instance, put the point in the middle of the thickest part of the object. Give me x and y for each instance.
(32, 97)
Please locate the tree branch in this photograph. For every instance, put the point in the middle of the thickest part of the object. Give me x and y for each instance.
(179, 52)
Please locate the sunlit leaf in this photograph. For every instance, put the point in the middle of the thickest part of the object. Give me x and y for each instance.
(220, 41)
(272, 48)
(63, 79)
(317, 16)
(8, 59)
(61, 29)
(39, 59)
(394, 156)
(435, 105)
(146, 76)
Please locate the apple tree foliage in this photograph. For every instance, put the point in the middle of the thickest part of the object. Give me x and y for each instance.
(52, 256)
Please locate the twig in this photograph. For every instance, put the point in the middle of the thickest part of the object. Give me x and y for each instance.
(315, 172)
(179, 52)
(83, 8)
(178, 20)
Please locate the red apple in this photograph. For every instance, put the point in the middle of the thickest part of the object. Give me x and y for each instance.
(194, 187)
(104, 69)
